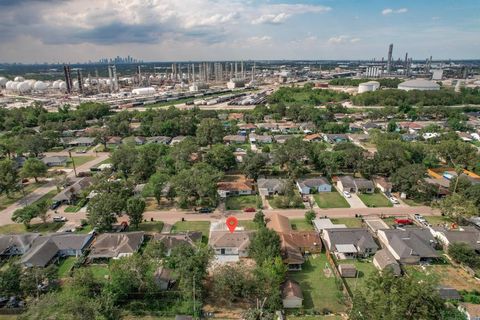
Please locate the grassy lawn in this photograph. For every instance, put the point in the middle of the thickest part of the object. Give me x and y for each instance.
(202, 226)
(301, 225)
(38, 227)
(48, 196)
(349, 222)
(155, 226)
(446, 274)
(275, 202)
(319, 291)
(331, 317)
(65, 266)
(108, 160)
(86, 229)
(330, 200)
(241, 202)
(72, 209)
(414, 203)
(364, 268)
(15, 196)
(436, 220)
(248, 225)
(374, 200)
(79, 160)
(100, 271)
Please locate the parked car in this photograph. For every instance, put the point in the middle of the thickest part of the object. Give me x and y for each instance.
(59, 219)
(419, 218)
(393, 200)
(55, 205)
(347, 194)
(249, 210)
(81, 151)
(204, 210)
(403, 221)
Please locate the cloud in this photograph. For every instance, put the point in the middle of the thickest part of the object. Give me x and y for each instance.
(279, 13)
(342, 39)
(271, 18)
(259, 39)
(389, 11)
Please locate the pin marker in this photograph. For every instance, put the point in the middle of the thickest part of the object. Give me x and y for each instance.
(232, 223)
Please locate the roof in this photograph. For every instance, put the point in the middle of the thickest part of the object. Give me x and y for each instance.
(237, 138)
(226, 239)
(171, 240)
(419, 84)
(358, 237)
(163, 274)
(237, 185)
(470, 236)
(356, 183)
(55, 159)
(291, 289)
(279, 223)
(411, 242)
(20, 241)
(111, 245)
(82, 140)
(449, 293)
(276, 185)
(345, 248)
(347, 181)
(310, 137)
(159, 139)
(75, 189)
(472, 309)
(41, 254)
(384, 259)
(312, 182)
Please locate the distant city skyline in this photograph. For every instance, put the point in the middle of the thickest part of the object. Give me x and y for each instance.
(171, 30)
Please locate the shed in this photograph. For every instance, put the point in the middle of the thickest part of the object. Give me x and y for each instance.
(292, 296)
(347, 270)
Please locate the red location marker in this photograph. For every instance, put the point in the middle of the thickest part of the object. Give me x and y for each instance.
(232, 223)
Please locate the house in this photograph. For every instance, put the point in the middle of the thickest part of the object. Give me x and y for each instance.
(322, 224)
(347, 270)
(281, 138)
(409, 245)
(116, 245)
(370, 125)
(71, 193)
(159, 140)
(247, 127)
(177, 139)
(240, 186)
(136, 140)
(384, 260)
(272, 186)
(347, 243)
(240, 155)
(353, 127)
(181, 317)
(235, 116)
(259, 139)
(335, 138)
(292, 296)
(16, 244)
(48, 248)
(234, 139)
(288, 127)
(383, 184)
(173, 240)
(471, 310)
(115, 140)
(313, 185)
(226, 243)
(163, 278)
(55, 161)
(409, 137)
(353, 185)
(316, 137)
(82, 142)
(468, 235)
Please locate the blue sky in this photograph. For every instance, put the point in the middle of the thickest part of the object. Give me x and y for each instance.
(156, 30)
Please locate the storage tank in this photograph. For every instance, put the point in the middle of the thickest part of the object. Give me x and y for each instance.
(19, 79)
(368, 86)
(12, 85)
(62, 85)
(56, 84)
(3, 81)
(40, 86)
(24, 87)
(143, 91)
(419, 84)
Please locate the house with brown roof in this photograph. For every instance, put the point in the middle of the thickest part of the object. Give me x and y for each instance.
(384, 260)
(383, 184)
(231, 139)
(238, 186)
(315, 137)
(226, 243)
(173, 240)
(116, 245)
(292, 296)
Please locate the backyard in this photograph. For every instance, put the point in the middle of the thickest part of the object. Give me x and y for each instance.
(364, 268)
(447, 275)
(375, 200)
(65, 266)
(184, 226)
(79, 160)
(100, 271)
(333, 199)
(319, 288)
(301, 225)
(241, 202)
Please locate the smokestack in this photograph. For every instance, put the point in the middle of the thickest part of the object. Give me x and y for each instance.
(389, 62)
(80, 81)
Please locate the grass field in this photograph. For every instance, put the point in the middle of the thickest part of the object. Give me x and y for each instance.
(319, 291)
(447, 275)
(155, 226)
(86, 229)
(241, 202)
(349, 222)
(48, 196)
(100, 271)
(436, 220)
(37, 227)
(375, 200)
(301, 225)
(277, 199)
(79, 160)
(413, 203)
(364, 268)
(248, 225)
(15, 196)
(330, 200)
(65, 266)
(202, 226)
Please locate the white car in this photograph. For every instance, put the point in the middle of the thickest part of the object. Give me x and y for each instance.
(59, 219)
(393, 200)
(347, 194)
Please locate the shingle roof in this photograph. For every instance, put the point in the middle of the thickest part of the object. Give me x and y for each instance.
(356, 236)
(411, 242)
(226, 239)
(384, 259)
(20, 241)
(291, 289)
(171, 240)
(110, 245)
(279, 223)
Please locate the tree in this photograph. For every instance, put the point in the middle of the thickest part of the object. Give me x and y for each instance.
(259, 218)
(101, 137)
(271, 274)
(37, 280)
(232, 283)
(292, 154)
(221, 157)
(264, 245)
(34, 168)
(8, 176)
(210, 131)
(42, 209)
(10, 279)
(464, 253)
(457, 207)
(135, 208)
(388, 297)
(392, 126)
(155, 250)
(124, 158)
(253, 163)
(406, 179)
(156, 184)
(309, 216)
(25, 215)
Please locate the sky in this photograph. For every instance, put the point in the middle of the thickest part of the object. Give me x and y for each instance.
(179, 30)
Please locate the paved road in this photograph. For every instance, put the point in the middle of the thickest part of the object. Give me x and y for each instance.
(6, 214)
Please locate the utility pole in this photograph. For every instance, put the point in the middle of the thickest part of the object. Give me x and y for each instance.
(73, 162)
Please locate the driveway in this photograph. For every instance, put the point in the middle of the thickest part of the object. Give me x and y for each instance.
(355, 202)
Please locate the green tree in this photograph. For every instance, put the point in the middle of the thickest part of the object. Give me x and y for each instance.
(10, 278)
(8, 177)
(259, 219)
(156, 184)
(124, 159)
(407, 178)
(135, 208)
(210, 131)
(221, 157)
(464, 253)
(155, 250)
(253, 163)
(264, 245)
(271, 274)
(33, 278)
(34, 168)
(292, 155)
(309, 216)
(25, 215)
(232, 283)
(457, 207)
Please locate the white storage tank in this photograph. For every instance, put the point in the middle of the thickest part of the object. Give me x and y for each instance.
(143, 91)
(3, 82)
(24, 87)
(19, 79)
(40, 86)
(368, 86)
(9, 85)
(419, 84)
(62, 85)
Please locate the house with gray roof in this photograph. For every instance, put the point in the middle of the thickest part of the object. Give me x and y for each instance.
(409, 245)
(384, 260)
(16, 244)
(335, 138)
(312, 185)
(354, 185)
(159, 140)
(230, 139)
(55, 161)
(82, 142)
(177, 139)
(468, 235)
(71, 193)
(258, 139)
(46, 249)
(271, 186)
(116, 245)
(348, 243)
(173, 240)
